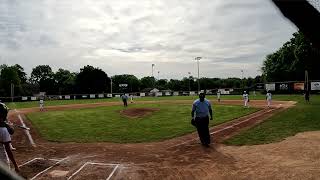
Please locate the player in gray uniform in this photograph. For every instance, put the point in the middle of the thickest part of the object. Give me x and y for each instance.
(5, 139)
(201, 109)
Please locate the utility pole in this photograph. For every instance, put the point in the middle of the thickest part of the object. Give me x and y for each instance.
(198, 59)
(12, 92)
(111, 84)
(158, 75)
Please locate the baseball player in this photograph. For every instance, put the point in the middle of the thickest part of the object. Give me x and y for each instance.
(269, 98)
(218, 96)
(201, 109)
(41, 104)
(131, 98)
(245, 98)
(124, 98)
(5, 139)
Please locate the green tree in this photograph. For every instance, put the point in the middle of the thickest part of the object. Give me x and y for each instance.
(9, 76)
(148, 82)
(132, 81)
(65, 81)
(92, 80)
(41, 72)
(291, 60)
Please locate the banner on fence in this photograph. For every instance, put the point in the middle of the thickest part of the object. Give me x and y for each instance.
(315, 86)
(100, 96)
(168, 93)
(109, 95)
(298, 86)
(33, 98)
(24, 98)
(192, 93)
(270, 87)
(176, 93)
(159, 94)
(284, 86)
(67, 97)
(142, 94)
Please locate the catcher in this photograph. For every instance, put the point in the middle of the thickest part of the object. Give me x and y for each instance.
(5, 139)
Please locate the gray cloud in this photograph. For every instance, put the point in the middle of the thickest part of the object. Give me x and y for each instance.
(128, 36)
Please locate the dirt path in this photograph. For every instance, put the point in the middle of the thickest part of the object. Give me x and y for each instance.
(178, 158)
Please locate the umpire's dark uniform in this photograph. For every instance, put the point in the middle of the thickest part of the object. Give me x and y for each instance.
(201, 110)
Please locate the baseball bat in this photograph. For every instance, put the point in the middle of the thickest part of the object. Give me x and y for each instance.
(19, 126)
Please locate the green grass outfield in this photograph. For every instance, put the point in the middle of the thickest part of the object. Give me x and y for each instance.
(105, 124)
(303, 117)
(29, 104)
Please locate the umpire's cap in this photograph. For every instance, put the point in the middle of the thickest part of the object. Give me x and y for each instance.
(3, 110)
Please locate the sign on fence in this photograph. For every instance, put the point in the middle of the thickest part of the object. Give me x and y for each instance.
(67, 97)
(92, 96)
(109, 95)
(33, 98)
(270, 87)
(168, 94)
(117, 96)
(298, 86)
(315, 86)
(24, 98)
(101, 95)
(142, 94)
(284, 87)
(192, 93)
(176, 93)
(159, 94)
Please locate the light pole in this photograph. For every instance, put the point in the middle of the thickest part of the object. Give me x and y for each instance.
(158, 75)
(189, 73)
(242, 83)
(198, 59)
(152, 66)
(111, 84)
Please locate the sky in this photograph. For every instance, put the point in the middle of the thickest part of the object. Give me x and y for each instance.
(128, 36)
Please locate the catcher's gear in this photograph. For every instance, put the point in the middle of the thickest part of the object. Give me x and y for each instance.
(3, 111)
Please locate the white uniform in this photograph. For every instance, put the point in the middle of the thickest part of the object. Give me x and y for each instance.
(4, 137)
(245, 99)
(269, 98)
(218, 96)
(41, 103)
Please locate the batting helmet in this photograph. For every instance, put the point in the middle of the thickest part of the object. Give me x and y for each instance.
(3, 111)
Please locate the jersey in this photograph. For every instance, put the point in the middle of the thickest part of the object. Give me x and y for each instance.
(218, 95)
(245, 96)
(41, 101)
(269, 96)
(201, 108)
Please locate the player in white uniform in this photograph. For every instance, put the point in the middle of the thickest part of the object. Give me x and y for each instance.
(5, 139)
(245, 98)
(218, 96)
(41, 104)
(269, 98)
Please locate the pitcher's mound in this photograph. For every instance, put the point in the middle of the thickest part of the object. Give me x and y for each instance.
(138, 112)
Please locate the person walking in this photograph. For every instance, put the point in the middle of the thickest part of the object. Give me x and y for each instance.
(245, 98)
(269, 98)
(218, 96)
(124, 98)
(201, 109)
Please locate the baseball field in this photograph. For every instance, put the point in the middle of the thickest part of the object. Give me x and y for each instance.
(153, 139)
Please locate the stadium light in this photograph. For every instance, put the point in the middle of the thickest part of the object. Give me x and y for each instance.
(198, 59)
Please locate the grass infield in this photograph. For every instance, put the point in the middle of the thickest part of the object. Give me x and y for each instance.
(303, 117)
(105, 124)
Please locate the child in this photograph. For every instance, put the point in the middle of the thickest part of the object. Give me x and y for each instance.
(245, 98)
(5, 139)
(41, 104)
(269, 98)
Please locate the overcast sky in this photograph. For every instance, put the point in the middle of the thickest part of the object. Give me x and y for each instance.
(127, 36)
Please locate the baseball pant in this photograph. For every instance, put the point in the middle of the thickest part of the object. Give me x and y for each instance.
(125, 103)
(203, 129)
(246, 102)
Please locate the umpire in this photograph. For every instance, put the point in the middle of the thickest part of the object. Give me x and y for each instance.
(201, 109)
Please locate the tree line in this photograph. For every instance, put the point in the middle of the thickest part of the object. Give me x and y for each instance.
(94, 80)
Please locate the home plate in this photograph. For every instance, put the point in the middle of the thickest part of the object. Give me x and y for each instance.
(58, 173)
